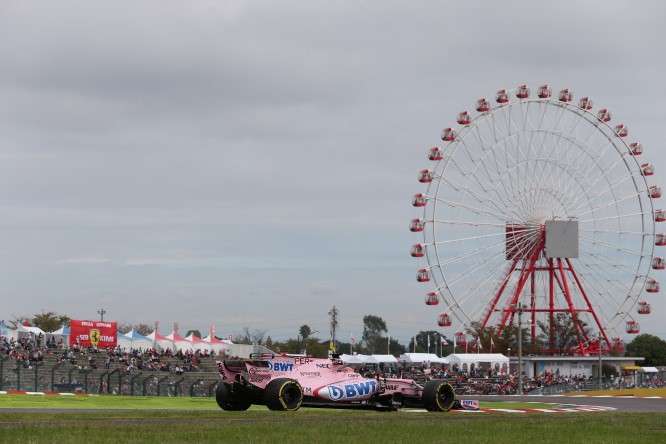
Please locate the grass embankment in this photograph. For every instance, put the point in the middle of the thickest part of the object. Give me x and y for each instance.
(200, 420)
(327, 426)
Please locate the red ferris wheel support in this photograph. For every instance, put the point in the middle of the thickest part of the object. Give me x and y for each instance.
(528, 259)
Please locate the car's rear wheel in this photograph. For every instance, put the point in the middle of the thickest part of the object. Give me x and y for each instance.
(438, 396)
(283, 394)
(231, 398)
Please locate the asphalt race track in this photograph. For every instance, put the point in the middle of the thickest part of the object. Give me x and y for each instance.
(620, 403)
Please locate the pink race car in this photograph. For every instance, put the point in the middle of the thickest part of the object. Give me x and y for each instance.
(286, 383)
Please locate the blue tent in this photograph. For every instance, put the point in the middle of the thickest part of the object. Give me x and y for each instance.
(133, 339)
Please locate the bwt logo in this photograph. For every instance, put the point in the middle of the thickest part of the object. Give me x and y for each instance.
(351, 391)
(280, 367)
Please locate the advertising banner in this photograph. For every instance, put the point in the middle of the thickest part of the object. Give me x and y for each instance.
(95, 333)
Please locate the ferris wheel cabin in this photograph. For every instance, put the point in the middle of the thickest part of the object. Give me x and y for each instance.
(431, 298)
(444, 320)
(544, 92)
(660, 215)
(660, 239)
(418, 250)
(647, 169)
(585, 103)
(482, 105)
(460, 337)
(654, 192)
(636, 149)
(419, 200)
(658, 263)
(435, 153)
(652, 286)
(644, 308)
(523, 92)
(604, 115)
(502, 96)
(425, 176)
(632, 327)
(416, 225)
(621, 130)
(422, 275)
(448, 135)
(464, 118)
(566, 95)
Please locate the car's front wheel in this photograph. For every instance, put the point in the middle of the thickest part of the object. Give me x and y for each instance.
(438, 396)
(283, 394)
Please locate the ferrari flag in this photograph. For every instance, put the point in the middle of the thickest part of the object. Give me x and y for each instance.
(93, 333)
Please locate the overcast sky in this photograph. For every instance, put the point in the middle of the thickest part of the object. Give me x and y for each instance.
(251, 163)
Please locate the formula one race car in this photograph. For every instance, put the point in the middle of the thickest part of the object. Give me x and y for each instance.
(286, 383)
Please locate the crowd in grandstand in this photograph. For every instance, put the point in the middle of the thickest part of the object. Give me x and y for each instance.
(27, 351)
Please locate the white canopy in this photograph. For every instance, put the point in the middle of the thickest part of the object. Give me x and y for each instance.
(422, 357)
(367, 359)
(133, 339)
(385, 358)
(353, 359)
(479, 359)
(36, 331)
(650, 369)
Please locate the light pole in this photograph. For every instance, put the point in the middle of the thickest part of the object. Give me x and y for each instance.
(101, 313)
(600, 373)
(519, 309)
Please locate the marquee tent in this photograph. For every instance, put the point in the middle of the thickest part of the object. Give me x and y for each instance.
(133, 339)
(219, 345)
(383, 358)
(367, 359)
(179, 342)
(61, 333)
(466, 361)
(161, 342)
(423, 357)
(22, 331)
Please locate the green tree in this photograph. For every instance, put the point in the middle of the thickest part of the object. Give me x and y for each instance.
(50, 321)
(565, 333)
(18, 320)
(396, 348)
(650, 347)
(373, 327)
(196, 333)
(305, 331)
(422, 341)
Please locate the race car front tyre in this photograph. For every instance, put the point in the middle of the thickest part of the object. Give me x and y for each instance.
(438, 396)
(283, 394)
(231, 398)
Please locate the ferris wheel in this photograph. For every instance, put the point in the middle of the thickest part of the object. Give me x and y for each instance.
(539, 205)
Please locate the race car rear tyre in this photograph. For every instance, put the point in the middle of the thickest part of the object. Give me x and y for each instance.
(438, 396)
(283, 394)
(231, 400)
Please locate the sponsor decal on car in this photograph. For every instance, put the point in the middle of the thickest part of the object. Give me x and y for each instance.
(340, 392)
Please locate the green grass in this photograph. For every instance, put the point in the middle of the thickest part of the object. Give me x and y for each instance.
(199, 420)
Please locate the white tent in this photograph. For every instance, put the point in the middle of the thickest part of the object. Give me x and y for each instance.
(367, 359)
(465, 361)
(219, 345)
(161, 342)
(30, 331)
(353, 359)
(421, 357)
(133, 339)
(60, 334)
(385, 358)
(179, 342)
